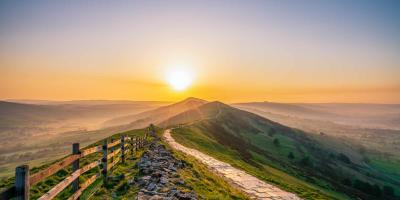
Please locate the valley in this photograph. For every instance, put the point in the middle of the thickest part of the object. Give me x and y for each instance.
(39, 131)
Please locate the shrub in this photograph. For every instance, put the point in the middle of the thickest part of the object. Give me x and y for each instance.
(276, 142)
(306, 161)
(271, 132)
(367, 188)
(291, 156)
(346, 182)
(344, 158)
(376, 190)
(387, 190)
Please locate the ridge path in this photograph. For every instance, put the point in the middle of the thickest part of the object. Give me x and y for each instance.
(252, 186)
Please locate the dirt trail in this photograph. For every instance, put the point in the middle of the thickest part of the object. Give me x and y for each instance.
(252, 186)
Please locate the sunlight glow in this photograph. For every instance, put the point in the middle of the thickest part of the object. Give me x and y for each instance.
(179, 79)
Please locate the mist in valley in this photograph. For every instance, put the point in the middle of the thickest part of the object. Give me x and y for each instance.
(37, 131)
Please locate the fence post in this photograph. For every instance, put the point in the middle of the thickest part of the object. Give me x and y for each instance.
(123, 148)
(112, 151)
(22, 182)
(75, 166)
(136, 143)
(131, 146)
(104, 162)
(133, 141)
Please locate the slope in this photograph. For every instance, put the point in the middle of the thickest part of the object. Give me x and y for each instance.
(157, 115)
(34, 133)
(385, 116)
(194, 175)
(299, 162)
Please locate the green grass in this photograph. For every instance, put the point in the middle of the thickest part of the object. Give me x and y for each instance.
(204, 182)
(388, 165)
(194, 138)
(196, 177)
(113, 188)
(313, 166)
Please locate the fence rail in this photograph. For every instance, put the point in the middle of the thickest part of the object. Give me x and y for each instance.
(111, 157)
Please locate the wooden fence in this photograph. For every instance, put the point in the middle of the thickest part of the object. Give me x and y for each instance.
(111, 152)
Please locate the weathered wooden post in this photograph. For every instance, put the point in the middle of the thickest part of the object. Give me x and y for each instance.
(123, 148)
(133, 145)
(136, 143)
(112, 151)
(22, 182)
(130, 145)
(75, 166)
(104, 162)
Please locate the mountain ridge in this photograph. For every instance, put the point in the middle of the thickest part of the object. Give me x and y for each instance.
(157, 115)
(319, 160)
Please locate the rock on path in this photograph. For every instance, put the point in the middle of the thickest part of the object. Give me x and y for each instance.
(252, 186)
(160, 180)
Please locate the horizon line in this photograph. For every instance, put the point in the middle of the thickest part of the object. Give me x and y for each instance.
(166, 101)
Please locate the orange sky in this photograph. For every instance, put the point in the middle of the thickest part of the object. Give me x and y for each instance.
(259, 51)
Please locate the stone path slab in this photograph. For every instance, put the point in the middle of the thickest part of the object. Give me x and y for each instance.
(252, 186)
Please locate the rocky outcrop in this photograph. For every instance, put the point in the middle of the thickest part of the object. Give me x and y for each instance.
(159, 178)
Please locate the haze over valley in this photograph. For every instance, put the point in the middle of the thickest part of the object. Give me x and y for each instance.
(227, 99)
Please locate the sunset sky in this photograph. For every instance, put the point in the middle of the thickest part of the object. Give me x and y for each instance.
(283, 51)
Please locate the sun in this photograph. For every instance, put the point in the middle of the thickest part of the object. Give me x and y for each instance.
(179, 79)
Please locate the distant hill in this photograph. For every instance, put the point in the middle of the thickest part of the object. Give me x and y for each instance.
(157, 115)
(87, 102)
(77, 112)
(319, 160)
(33, 132)
(42, 129)
(356, 114)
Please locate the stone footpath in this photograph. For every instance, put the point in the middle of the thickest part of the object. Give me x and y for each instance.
(159, 178)
(252, 186)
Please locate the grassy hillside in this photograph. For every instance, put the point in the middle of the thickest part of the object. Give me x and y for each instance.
(385, 116)
(37, 132)
(315, 167)
(195, 174)
(76, 113)
(383, 141)
(41, 132)
(39, 189)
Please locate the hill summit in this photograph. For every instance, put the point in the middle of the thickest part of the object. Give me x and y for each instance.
(157, 115)
(253, 142)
